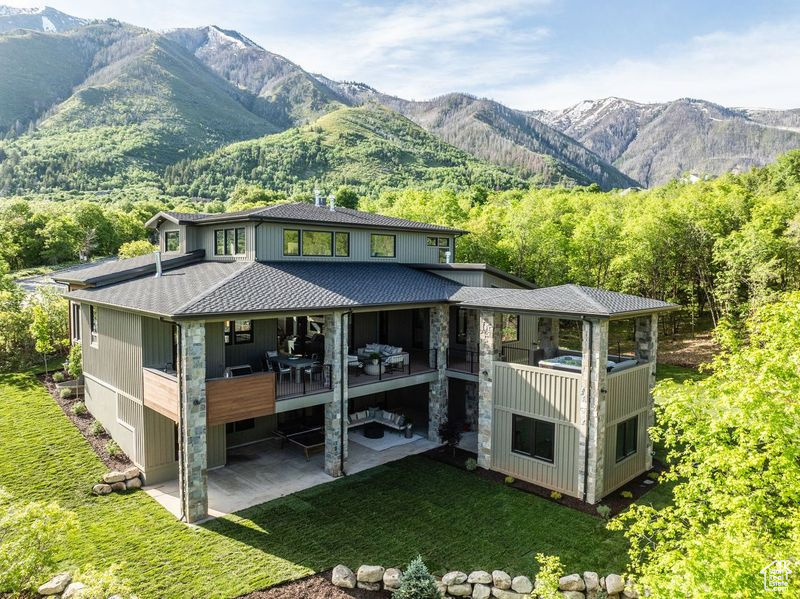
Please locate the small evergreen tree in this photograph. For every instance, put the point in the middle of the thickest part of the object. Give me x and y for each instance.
(417, 582)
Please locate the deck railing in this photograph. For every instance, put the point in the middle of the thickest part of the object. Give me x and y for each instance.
(462, 360)
(419, 361)
(307, 380)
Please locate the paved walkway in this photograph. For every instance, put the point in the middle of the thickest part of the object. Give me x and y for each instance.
(263, 471)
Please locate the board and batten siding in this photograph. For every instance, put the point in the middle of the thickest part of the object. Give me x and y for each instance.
(627, 397)
(156, 343)
(120, 415)
(160, 434)
(547, 395)
(204, 237)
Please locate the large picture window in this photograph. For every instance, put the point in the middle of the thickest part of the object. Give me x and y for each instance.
(317, 243)
(342, 244)
(533, 438)
(382, 246)
(626, 438)
(238, 332)
(172, 241)
(230, 242)
(291, 242)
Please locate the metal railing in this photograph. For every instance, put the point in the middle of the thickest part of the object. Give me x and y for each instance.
(303, 380)
(392, 367)
(463, 360)
(517, 355)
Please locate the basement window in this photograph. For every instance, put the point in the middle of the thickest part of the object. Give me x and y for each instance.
(533, 438)
(627, 438)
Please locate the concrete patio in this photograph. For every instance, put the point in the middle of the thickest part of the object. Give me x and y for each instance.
(263, 471)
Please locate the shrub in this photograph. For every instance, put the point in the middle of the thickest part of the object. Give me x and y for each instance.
(450, 434)
(470, 464)
(653, 475)
(509, 480)
(131, 249)
(604, 511)
(626, 494)
(550, 570)
(96, 429)
(75, 361)
(65, 393)
(31, 535)
(555, 495)
(58, 377)
(101, 584)
(113, 448)
(79, 408)
(417, 582)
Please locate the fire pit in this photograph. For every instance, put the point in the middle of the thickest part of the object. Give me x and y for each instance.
(373, 430)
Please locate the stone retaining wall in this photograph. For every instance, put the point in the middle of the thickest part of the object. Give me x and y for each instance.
(130, 478)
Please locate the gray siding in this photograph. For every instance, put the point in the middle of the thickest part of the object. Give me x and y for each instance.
(547, 395)
(159, 448)
(264, 428)
(117, 359)
(120, 415)
(528, 334)
(215, 350)
(216, 446)
(156, 343)
(205, 239)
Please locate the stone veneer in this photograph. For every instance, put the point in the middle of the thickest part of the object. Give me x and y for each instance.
(437, 390)
(593, 389)
(646, 341)
(336, 328)
(193, 459)
(490, 331)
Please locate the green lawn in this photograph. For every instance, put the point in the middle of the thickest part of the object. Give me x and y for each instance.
(386, 515)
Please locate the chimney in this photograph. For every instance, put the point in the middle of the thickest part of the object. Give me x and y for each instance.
(332, 202)
(317, 199)
(157, 255)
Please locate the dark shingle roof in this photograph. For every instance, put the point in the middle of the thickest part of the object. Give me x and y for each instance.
(110, 271)
(561, 299)
(305, 212)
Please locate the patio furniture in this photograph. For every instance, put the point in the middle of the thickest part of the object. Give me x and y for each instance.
(354, 362)
(373, 430)
(309, 441)
(383, 418)
(281, 371)
(390, 356)
(374, 369)
(296, 363)
(240, 370)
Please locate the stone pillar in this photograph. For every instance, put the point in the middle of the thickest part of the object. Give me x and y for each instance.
(336, 327)
(490, 331)
(646, 339)
(193, 457)
(548, 336)
(592, 413)
(437, 390)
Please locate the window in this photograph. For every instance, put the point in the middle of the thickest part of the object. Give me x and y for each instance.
(342, 244)
(172, 241)
(533, 438)
(443, 255)
(93, 325)
(444, 242)
(382, 246)
(230, 242)
(510, 328)
(242, 332)
(626, 438)
(291, 242)
(76, 322)
(317, 243)
(433, 241)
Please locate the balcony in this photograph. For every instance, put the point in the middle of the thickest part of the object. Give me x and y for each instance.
(362, 371)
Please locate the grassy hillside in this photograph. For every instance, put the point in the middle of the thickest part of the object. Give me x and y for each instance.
(366, 148)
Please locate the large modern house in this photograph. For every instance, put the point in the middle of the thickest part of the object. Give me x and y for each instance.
(320, 325)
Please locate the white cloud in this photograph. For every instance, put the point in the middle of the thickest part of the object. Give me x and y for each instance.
(756, 68)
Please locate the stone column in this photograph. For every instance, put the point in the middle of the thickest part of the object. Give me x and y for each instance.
(490, 331)
(336, 327)
(548, 336)
(646, 340)
(592, 412)
(193, 457)
(437, 390)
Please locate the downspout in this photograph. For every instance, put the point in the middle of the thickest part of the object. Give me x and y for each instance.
(588, 416)
(181, 420)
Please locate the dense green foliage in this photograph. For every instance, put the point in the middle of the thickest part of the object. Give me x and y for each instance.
(733, 445)
(417, 582)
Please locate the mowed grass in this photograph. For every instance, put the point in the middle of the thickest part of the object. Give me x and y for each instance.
(386, 515)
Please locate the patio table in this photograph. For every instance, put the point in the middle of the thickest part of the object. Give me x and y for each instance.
(297, 364)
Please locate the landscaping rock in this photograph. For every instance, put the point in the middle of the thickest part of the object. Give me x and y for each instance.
(73, 590)
(522, 584)
(131, 472)
(573, 582)
(614, 584)
(479, 576)
(503, 594)
(572, 594)
(463, 589)
(501, 580)
(481, 591)
(370, 573)
(115, 476)
(630, 592)
(369, 586)
(392, 578)
(441, 587)
(343, 576)
(455, 577)
(118, 486)
(133, 483)
(56, 584)
(101, 489)
(603, 582)
(591, 580)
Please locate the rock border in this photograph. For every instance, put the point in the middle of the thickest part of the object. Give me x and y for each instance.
(119, 480)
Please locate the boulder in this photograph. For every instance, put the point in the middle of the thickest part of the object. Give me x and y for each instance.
(73, 590)
(603, 582)
(369, 573)
(591, 580)
(501, 580)
(369, 586)
(572, 595)
(573, 582)
(115, 476)
(481, 591)
(343, 576)
(504, 594)
(479, 576)
(463, 589)
(131, 472)
(441, 587)
(56, 584)
(614, 584)
(133, 483)
(522, 584)
(392, 578)
(455, 577)
(101, 489)
(118, 486)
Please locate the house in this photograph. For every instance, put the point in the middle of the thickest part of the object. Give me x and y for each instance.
(319, 323)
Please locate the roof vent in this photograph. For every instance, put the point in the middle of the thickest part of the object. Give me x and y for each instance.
(448, 257)
(317, 198)
(157, 255)
(331, 202)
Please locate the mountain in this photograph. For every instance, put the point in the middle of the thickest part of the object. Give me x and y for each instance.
(37, 19)
(654, 143)
(498, 134)
(367, 148)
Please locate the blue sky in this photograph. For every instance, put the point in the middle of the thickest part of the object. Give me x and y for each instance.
(526, 53)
